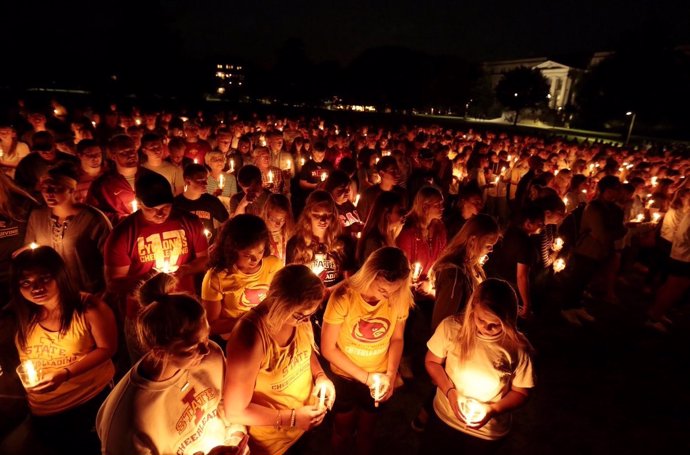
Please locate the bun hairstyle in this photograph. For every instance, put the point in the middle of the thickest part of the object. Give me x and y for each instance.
(166, 318)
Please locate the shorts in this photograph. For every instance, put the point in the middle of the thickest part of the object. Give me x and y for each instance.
(352, 395)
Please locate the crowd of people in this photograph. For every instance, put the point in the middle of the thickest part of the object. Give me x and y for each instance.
(204, 283)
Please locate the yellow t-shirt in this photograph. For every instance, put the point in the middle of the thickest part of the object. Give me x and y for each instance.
(284, 382)
(239, 292)
(51, 351)
(365, 330)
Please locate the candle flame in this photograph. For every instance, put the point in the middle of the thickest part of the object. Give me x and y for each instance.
(33, 245)
(417, 271)
(559, 265)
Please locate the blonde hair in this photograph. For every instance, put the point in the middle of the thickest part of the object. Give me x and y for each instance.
(497, 297)
(211, 154)
(294, 288)
(280, 202)
(425, 195)
(391, 264)
(305, 245)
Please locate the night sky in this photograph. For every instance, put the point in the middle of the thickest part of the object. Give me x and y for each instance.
(340, 30)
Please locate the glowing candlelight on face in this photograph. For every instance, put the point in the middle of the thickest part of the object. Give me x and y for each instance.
(33, 245)
(417, 272)
(29, 374)
(135, 206)
(322, 396)
(221, 181)
(483, 260)
(270, 176)
(357, 200)
(656, 217)
(557, 244)
(559, 265)
(472, 410)
(324, 176)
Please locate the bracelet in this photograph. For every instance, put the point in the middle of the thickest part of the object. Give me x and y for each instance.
(69, 374)
(317, 375)
(293, 418)
(449, 389)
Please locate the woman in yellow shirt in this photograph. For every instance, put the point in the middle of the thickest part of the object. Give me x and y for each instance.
(274, 378)
(69, 338)
(362, 338)
(240, 272)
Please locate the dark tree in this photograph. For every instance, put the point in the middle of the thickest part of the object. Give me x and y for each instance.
(522, 88)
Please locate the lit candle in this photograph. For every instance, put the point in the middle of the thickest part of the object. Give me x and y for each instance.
(207, 233)
(655, 180)
(510, 157)
(555, 172)
(417, 272)
(324, 176)
(584, 191)
(377, 389)
(558, 244)
(166, 266)
(232, 165)
(29, 374)
(377, 160)
(322, 396)
(135, 206)
(2, 152)
(289, 164)
(93, 123)
(639, 218)
(221, 181)
(656, 217)
(565, 201)
(503, 170)
(559, 265)
(650, 203)
(358, 235)
(483, 260)
(196, 161)
(357, 200)
(33, 245)
(301, 161)
(472, 410)
(496, 180)
(137, 121)
(270, 176)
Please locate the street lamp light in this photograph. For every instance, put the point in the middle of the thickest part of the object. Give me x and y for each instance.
(632, 116)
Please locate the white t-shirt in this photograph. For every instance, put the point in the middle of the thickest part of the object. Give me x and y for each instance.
(176, 416)
(487, 376)
(172, 174)
(680, 248)
(670, 224)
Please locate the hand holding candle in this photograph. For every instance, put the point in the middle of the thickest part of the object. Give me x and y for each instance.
(417, 271)
(135, 206)
(557, 244)
(29, 374)
(378, 386)
(472, 410)
(221, 181)
(324, 391)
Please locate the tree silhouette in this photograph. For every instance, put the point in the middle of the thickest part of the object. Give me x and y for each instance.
(521, 88)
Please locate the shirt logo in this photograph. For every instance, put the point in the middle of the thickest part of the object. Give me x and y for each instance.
(370, 330)
(253, 295)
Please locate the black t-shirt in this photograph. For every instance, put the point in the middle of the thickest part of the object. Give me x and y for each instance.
(12, 232)
(349, 217)
(329, 265)
(33, 167)
(514, 248)
(208, 208)
(311, 171)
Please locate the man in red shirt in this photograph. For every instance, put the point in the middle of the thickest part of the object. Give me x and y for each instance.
(154, 239)
(113, 192)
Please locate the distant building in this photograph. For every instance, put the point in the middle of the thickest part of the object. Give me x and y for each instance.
(228, 78)
(562, 78)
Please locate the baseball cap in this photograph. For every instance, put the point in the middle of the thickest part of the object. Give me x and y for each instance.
(152, 189)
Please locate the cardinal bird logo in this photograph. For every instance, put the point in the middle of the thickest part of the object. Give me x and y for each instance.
(370, 330)
(253, 295)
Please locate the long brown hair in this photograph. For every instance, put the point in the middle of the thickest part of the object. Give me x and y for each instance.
(277, 201)
(305, 244)
(418, 215)
(464, 247)
(377, 226)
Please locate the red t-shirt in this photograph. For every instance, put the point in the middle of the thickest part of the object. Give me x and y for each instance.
(197, 150)
(418, 249)
(142, 245)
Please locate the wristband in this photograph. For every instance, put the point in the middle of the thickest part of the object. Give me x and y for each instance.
(293, 418)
